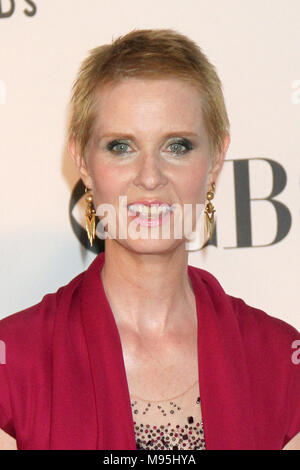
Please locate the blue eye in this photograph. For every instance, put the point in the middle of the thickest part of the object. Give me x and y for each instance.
(115, 144)
(184, 144)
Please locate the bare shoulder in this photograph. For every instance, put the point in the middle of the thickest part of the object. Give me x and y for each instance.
(293, 444)
(7, 442)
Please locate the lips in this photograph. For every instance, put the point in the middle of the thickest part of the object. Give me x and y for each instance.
(147, 202)
(149, 210)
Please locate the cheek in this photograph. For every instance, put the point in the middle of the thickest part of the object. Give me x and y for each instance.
(193, 184)
(108, 183)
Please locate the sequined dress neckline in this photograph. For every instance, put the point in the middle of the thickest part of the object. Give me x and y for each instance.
(172, 424)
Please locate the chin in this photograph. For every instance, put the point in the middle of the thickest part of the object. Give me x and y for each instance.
(149, 247)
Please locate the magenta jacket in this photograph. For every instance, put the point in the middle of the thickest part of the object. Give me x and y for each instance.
(64, 384)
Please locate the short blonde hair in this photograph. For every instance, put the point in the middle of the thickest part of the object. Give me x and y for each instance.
(153, 54)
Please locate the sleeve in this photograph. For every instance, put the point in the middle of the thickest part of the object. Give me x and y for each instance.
(6, 407)
(293, 398)
(6, 415)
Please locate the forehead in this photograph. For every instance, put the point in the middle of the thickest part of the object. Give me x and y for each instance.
(149, 103)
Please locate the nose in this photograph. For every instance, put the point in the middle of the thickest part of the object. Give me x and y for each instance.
(150, 172)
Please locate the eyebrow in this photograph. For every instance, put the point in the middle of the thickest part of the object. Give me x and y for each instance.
(122, 135)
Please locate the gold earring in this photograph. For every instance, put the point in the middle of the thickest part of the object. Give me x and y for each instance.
(90, 218)
(209, 212)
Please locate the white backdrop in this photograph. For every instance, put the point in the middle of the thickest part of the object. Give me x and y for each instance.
(255, 46)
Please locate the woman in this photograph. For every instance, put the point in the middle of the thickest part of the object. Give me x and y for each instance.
(142, 350)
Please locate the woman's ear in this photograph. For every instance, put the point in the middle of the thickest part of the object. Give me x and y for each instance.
(219, 160)
(79, 162)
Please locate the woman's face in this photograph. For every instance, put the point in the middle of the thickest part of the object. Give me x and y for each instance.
(149, 143)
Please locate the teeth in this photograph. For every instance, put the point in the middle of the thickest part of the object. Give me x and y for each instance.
(149, 211)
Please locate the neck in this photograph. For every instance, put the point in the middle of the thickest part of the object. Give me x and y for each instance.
(149, 293)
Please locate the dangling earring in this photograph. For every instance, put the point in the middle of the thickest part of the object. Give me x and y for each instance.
(90, 218)
(209, 212)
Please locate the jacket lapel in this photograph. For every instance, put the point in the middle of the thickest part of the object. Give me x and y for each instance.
(113, 407)
(224, 382)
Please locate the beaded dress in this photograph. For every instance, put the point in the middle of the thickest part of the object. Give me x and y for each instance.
(171, 424)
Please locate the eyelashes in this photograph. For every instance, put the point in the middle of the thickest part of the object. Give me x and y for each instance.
(114, 143)
(187, 144)
(181, 145)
